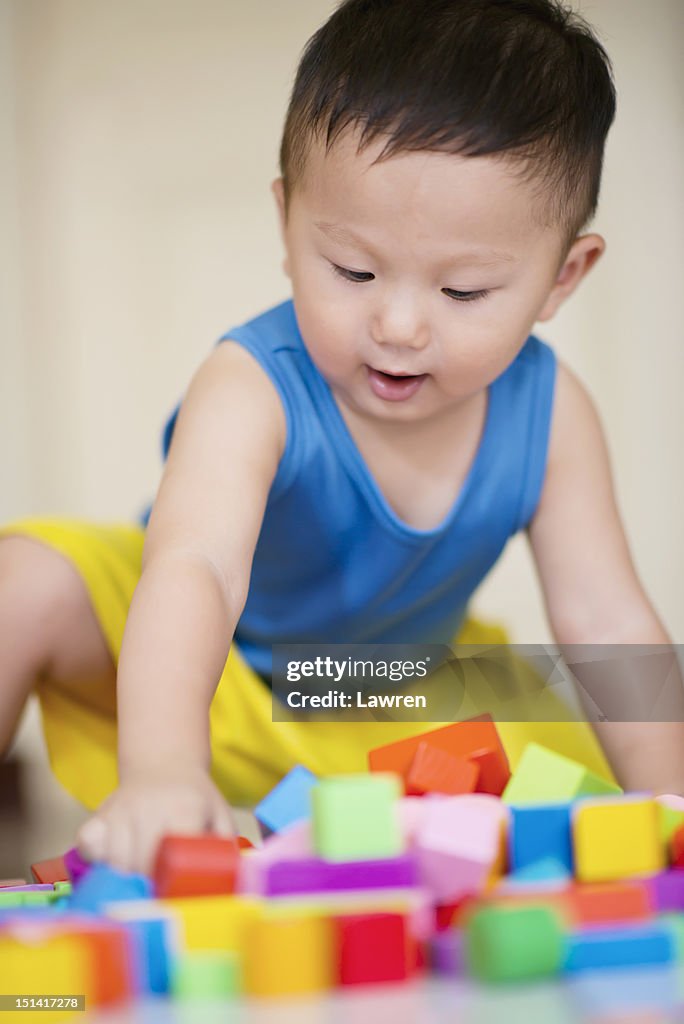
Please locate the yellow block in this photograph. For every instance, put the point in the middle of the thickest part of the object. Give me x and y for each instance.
(616, 838)
(288, 956)
(34, 962)
(213, 922)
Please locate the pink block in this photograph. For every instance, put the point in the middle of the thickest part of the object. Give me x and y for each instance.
(459, 843)
(671, 800)
(412, 811)
(292, 843)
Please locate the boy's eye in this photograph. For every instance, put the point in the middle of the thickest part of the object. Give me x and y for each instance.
(352, 275)
(465, 296)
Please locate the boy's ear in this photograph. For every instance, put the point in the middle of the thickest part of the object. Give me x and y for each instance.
(279, 192)
(584, 253)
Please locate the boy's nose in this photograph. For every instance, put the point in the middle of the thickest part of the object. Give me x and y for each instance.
(400, 325)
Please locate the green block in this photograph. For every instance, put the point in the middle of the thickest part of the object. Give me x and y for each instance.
(37, 899)
(63, 888)
(514, 944)
(205, 974)
(543, 776)
(356, 817)
(10, 899)
(670, 820)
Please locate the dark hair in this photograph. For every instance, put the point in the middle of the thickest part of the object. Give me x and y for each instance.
(472, 77)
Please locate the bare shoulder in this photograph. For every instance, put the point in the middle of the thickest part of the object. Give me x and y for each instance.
(575, 426)
(230, 386)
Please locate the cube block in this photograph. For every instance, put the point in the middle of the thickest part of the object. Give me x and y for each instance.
(543, 776)
(313, 874)
(539, 831)
(288, 955)
(620, 947)
(287, 802)
(52, 870)
(435, 771)
(612, 902)
(206, 974)
(514, 943)
(374, 948)
(616, 838)
(201, 865)
(356, 817)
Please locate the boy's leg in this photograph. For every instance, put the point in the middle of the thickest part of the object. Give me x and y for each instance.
(48, 629)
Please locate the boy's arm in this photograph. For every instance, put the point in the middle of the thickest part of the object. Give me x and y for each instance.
(200, 541)
(593, 594)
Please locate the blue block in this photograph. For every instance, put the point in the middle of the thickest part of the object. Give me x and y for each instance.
(619, 947)
(153, 940)
(287, 802)
(103, 884)
(539, 832)
(547, 870)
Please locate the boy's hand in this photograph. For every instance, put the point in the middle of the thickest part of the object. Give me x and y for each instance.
(127, 828)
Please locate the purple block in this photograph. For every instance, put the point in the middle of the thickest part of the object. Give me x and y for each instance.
(667, 890)
(75, 865)
(315, 875)
(38, 887)
(446, 952)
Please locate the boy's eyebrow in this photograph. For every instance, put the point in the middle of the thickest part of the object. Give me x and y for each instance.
(483, 256)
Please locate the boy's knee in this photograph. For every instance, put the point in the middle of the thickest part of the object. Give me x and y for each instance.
(39, 588)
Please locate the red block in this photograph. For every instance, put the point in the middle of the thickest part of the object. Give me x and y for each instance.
(204, 865)
(434, 771)
(603, 903)
(476, 738)
(494, 770)
(53, 870)
(374, 948)
(244, 843)
(677, 847)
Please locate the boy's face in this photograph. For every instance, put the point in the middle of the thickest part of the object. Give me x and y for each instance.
(380, 256)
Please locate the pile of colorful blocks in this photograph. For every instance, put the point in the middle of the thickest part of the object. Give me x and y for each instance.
(437, 859)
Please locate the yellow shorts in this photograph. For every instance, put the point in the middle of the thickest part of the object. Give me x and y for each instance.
(250, 752)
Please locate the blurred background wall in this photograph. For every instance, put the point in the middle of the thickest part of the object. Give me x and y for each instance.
(137, 143)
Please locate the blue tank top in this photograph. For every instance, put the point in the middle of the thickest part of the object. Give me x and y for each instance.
(333, 562)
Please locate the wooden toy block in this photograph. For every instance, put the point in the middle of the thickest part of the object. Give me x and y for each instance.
(512, 943)
(53, 870)
(446, 952)
(546, 872)
(373, 948)
(33, 887)
(103, 884)
(635, 946)
(10, 898)
(543, 776)
(667, 891)
(677, 847)
(493, 769)
(539, 831)
(313, 874)
(356, 817)
(75, 865)
(244, 843)
(203, 865)
(157, 937)
(615, 838)
(434, 771)
(205, 974)
(612, 902)
(476, 736)
(288, 956)
(288, 802)
(414, 904)
(12, 883)
(218, 923)
(112, 960)
(36, 961)
(459, 844)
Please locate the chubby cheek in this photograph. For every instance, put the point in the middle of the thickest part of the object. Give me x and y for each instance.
(329, 338)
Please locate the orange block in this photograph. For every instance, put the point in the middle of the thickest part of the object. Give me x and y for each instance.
(197, 865)
(476, 737)
(494, 770)
(602, 903)
(435, 771)
(49, 871)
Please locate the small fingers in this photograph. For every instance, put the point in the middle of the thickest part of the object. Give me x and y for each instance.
(91, 839)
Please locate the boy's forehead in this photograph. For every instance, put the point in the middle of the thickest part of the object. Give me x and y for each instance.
(436, 193)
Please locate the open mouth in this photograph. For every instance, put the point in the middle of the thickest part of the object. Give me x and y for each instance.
(394, 387)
